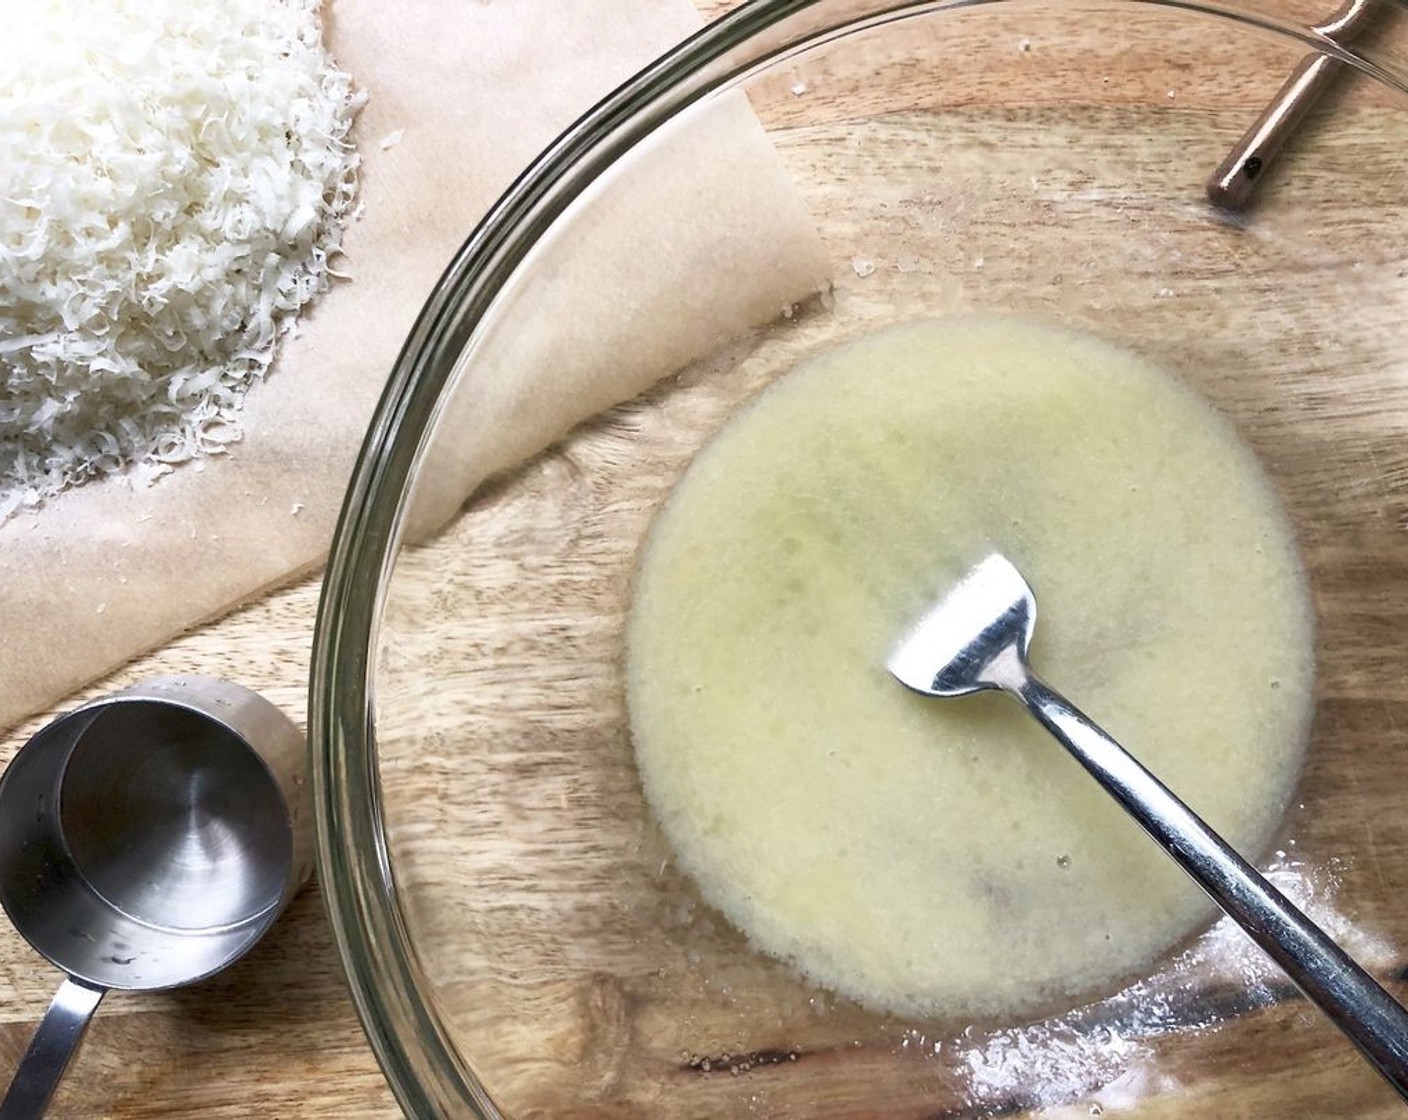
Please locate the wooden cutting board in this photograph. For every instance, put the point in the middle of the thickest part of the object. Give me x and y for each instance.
(277, 1035)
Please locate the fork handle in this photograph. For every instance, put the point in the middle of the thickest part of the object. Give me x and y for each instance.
(1354, 1001)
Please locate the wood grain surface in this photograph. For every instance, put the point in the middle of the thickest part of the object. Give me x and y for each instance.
(1307, 365)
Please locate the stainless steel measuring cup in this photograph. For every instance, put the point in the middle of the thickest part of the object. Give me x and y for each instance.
(147, 841)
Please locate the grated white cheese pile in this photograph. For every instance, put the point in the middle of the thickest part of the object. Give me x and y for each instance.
(174, 176)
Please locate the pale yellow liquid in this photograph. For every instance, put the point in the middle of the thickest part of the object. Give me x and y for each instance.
(946, 857)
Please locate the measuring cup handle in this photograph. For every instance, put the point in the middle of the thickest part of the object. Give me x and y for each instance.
(55, 1041)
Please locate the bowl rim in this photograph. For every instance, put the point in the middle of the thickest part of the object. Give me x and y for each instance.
(389, 989)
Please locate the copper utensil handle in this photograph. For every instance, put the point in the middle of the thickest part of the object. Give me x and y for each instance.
(1233, 185)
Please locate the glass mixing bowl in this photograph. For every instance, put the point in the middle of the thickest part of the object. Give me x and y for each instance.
(518, 939)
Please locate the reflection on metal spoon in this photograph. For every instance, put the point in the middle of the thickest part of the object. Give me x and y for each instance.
(976, 638)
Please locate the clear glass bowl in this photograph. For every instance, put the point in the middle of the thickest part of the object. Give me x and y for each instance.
(516, 937)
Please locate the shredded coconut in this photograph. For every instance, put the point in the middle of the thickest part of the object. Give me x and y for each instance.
(174, 175)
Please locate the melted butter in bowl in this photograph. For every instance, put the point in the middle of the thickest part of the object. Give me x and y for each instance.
(948, 859)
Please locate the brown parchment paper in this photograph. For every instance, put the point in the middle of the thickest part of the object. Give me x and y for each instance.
(462, 96)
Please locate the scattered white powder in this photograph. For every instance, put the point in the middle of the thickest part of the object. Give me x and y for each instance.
(1101, 1053)
(174, 175)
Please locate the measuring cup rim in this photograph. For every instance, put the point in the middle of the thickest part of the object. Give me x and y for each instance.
(240, 935)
